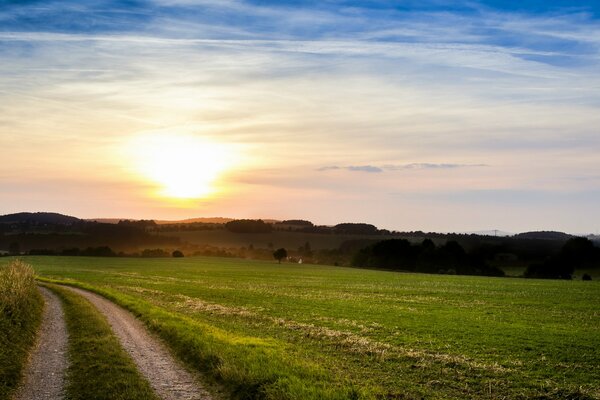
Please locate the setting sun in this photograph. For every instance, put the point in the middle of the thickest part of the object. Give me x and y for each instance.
(184, 166)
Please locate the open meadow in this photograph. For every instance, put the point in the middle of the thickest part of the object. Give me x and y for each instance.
(290, 331)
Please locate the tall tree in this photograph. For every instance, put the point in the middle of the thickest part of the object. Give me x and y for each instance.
(280, 254)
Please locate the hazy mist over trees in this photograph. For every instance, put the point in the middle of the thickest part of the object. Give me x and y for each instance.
(543, 254)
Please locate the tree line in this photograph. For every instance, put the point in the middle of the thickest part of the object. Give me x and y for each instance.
(400, 254)
(451, 258)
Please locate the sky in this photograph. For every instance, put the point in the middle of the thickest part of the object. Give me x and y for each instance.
(411, 115)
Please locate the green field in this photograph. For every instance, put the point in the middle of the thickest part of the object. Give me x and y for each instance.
(299, 332)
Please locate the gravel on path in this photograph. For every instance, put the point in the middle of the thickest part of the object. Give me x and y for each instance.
(45, 374)
(169, 379)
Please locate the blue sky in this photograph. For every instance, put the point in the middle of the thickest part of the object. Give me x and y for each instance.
(432, 115)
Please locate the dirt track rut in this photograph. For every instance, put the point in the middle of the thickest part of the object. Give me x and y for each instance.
(167, 377)
(45, 374)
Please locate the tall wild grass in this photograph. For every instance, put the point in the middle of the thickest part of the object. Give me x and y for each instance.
(21, 308)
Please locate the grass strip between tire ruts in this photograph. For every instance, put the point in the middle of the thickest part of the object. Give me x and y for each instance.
(99, 369)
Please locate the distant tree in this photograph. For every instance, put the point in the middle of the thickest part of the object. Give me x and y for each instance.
(580, 252)
(42, 252)
(400, 254)
(428, 244)
(70, 252)
(280, 254)
(576, 253)
(143, 224)
(356, 229)
(296, 222)
(177, 254)
(248, 226)
(154, 253)
(102, 251)
(392, 254)
(14, 249)
(452, 256)
(427, 259)
(305, 250)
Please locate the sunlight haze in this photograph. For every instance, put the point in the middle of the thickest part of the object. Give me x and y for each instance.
(185, 166)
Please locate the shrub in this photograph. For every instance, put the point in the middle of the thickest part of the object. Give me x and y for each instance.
(586, 277)
(20, 316)
(155, 253)
(17, 283)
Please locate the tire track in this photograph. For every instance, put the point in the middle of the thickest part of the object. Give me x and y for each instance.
(45, 374)
(167, 377)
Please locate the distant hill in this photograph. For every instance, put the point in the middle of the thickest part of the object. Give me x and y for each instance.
(212, 220)
(544, 235)
(491, 232)
(38, 218)
(52, 233)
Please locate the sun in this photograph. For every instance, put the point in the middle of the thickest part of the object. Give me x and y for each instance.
(184, 166)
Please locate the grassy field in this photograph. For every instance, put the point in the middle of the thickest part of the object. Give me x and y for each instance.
(302, 332)
(99, 367)
(21, 308)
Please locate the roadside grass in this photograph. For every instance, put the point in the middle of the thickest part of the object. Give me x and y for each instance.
(21, 307)
(318, 332)
(99, 368)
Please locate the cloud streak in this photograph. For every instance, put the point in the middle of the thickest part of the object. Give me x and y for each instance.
(398, 167)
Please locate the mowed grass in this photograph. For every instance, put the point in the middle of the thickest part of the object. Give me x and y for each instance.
(21, 307)
(301, 332)
(99, 368)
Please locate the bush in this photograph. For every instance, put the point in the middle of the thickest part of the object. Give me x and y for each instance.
(586, 277)
(177, 254)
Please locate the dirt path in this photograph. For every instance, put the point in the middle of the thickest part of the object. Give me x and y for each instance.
(167, 377)
(45, 374)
